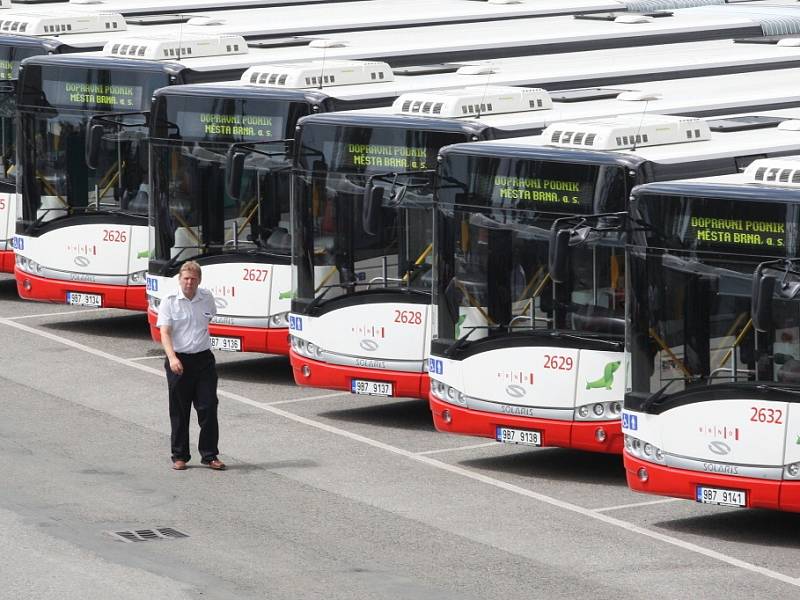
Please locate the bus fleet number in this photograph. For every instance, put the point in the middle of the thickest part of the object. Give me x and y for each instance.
(767, 415)
(255, 274)
(115, 235)
(410, 317)
(2, 203)
(560, 363)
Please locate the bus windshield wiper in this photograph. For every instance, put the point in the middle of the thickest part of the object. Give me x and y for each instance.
(464, 339)
(775, 388)
(657, 396)
(582, 338)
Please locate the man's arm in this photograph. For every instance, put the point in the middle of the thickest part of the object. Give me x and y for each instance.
(175, 364)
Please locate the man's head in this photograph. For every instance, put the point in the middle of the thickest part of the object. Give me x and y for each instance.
(189, 278)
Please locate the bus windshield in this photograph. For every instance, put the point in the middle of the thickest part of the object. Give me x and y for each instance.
(493, 220)
(10, 57)
(193, 214)
(348, 240)
(55, 106)
(691, 262)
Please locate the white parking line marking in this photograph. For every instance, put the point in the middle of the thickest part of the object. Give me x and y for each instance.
(441, 450)
(322, 397)
(57, 314)
(637, 504)
(147, 357)
(436, 464)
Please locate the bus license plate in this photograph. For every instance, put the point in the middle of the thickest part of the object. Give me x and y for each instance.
(371, 388)
(81, 299)
(723, 497)
(226, 344)
(527, 437)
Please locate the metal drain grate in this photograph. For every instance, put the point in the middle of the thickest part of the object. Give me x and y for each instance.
(146, 535)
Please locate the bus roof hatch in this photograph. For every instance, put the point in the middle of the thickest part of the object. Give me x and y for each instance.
(625, 132)
(154, 47)
(317, 73)
(472, 101)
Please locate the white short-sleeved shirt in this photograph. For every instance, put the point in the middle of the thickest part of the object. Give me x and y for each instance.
(188, 319)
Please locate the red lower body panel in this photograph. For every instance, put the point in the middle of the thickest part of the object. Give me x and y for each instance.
(580, 435)
(339, 377)
(6, 261)
(682, 483)
(266, 341)
(31, 287)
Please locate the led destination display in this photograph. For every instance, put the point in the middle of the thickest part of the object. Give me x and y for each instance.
(535, 189)
(230, 127)
(747, 232)
(93, 96)
(404, 158)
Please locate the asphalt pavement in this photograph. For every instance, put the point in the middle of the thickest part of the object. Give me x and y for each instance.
(327, 495)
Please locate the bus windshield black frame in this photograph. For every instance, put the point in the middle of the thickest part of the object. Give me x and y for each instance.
(346, 243)
(691, 256)
(56, 100)
(493, 215)
(192, 215)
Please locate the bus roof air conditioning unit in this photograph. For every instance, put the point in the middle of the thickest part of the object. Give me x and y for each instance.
(313, 74)
(624, 132)
(784, 172)
(63, 22)
(472, 101)
(169, 48)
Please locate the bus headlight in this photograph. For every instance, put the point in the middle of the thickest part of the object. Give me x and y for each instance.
(27, 265)
(137, 278)
(605, 411)
(643, 450)
(279, 320)
(791, 471)
(153, 302)
(448, 393)
(305, 348)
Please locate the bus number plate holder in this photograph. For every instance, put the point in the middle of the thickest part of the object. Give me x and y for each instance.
(81, 299)
(526, 437)
(371, 388)
(721, 496)
(226, 344)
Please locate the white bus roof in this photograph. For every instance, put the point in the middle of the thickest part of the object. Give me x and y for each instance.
(772, 139)
(520, 35)
(144, 7)
(717, 94)
(570, 69)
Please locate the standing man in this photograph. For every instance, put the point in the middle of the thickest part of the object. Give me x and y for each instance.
(183, 319)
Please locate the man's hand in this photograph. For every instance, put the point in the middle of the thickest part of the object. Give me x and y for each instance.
(176, 366)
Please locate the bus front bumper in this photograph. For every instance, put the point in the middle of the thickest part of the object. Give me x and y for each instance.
(6, 261)
(682, 483)
(580, 435)
(318, 374)
(265, 341)
(41, 289)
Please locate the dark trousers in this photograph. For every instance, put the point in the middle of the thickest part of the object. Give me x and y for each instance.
(197, 385)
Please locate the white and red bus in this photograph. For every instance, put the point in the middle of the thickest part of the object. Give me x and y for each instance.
(711, 413)
(529, 347)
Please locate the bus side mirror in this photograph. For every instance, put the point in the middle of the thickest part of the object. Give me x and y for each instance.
(371, 208)
(558, 251)
(233, 179)
(761, 302)
(93, 143)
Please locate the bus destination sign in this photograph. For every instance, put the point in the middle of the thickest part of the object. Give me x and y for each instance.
(386, 156)
(540, 190)
(228, 127)
(737, 232)
(92, 96)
